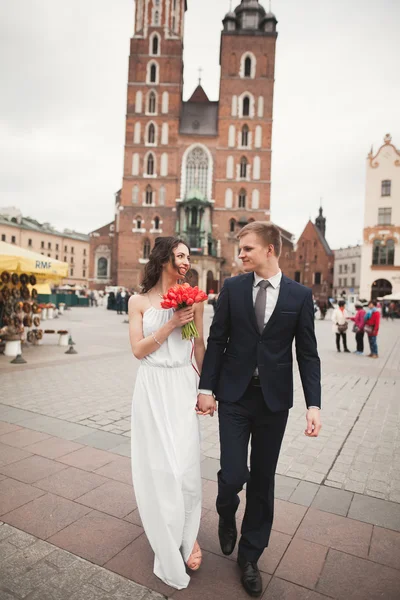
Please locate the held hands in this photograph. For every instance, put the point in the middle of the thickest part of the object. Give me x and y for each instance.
(206, 405)
(183, 316)
(313, 422)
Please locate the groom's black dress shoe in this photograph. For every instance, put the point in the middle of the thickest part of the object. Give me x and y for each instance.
(227, 534)
(251, 578)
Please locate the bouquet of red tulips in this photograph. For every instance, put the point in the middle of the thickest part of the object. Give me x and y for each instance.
(183, 296)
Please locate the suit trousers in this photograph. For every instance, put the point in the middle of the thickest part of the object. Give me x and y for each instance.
(249, 418)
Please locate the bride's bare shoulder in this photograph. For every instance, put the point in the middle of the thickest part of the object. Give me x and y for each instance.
(137, 302)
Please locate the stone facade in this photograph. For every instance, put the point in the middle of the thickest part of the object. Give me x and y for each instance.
(67, 246)
(380, 270)
(347, 273)
(198, 169)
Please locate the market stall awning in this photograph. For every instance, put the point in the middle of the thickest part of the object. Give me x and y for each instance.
(19, 260)
(395, 296)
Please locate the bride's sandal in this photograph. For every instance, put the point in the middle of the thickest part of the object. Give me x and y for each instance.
(194, 560)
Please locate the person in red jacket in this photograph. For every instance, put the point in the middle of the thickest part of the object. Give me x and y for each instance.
(372, 321)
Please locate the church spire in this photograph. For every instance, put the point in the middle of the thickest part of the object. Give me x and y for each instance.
(320, 221)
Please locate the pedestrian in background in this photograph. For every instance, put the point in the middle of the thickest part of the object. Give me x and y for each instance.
(340, 325)
(372, 322)
(120, 302)
(358, 328)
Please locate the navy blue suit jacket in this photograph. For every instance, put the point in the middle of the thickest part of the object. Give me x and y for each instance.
(235, 346)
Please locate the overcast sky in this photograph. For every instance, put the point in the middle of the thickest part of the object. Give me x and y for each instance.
(63, 69)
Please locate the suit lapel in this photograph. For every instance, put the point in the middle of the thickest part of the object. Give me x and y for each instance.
(248, 300)
(283, 293)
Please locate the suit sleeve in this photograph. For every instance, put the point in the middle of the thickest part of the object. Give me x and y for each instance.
(307, 354)
(217, 342)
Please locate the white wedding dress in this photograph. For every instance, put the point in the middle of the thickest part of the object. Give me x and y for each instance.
(166, 451)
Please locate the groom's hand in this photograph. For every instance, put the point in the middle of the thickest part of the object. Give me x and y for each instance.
(206, 405)
(313, 422)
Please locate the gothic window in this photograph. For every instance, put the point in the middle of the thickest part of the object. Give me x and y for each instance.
(243, 167)
(386, 187)
(162, 196)
(247, 67)
(157, 223)
(245, 136)
(149, 195)
(197, 171)
(155, 45)
(153, 73)
(195, 215)
(246, 106)
(317, 278)
(138, 222)
(152, 103)
(146, 249)
(150, 165)
(102, 268)
(242, 199)
(151, 134)
(232, 225)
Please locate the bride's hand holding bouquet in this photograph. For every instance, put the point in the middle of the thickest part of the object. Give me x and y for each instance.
(182, 298)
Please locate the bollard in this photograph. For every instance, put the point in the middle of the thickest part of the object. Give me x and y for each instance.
(18, 360)
(71, 341)
(71, 350)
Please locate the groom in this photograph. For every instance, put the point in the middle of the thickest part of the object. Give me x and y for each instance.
(248, 367)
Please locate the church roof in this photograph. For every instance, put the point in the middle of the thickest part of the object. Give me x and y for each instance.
(199, 95)
(323, 240)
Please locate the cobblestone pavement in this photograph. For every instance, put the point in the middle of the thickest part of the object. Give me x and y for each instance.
(87, 397)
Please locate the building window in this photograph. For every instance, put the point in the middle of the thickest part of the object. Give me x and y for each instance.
(13, 239)
(42, 244)
(56, 256)
(152, 103)
(65, 259)
(58, 247)
(242, 199)
(49, 246)
(384, 216)
(65, 248)
(71, 272)
(353, 282)
(246, 106)
(315, 258)
(197, 166)
(150, 165)
(84, 250)
(232, 226)
(72, 249)
(317, 278)
(386, 187)
(297, 276)
(243, 167)
(102, 268)
(245, 136)
(149, 195)
(151, 135)
(3, 237)
(345, 282)
(156, 18)
(383, 254)
(340, 269)
(161, 197)
(29, 242)
(157, 223)
(153, 73)
(49, 255)
(340, 282)
(155, 45)
(138, 222)
(146, 249)
(84, 273)
(345, 268)
(247, 67)
(72, 260)
(353, 267)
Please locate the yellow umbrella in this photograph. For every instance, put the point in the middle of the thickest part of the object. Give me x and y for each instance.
(18, 260)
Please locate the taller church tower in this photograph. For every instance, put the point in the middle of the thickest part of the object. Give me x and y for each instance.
(243, 187)
(151, 170)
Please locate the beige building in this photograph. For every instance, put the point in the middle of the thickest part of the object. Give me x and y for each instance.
(347, 273)
(380, 264)
(68, 246)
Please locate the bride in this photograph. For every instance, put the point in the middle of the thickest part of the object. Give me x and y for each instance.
(165, 428)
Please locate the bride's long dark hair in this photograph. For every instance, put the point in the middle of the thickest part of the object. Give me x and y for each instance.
(162, 253)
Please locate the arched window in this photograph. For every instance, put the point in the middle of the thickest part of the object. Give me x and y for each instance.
(146, 249)
(150, 165)
(155, 45)
(157, 223)
(247, 67)
(197, 166)
(135, 194)
(243, 167)
(151, 134)
(152, 103)
(153, 73)
(246, 106)
(149, 195)
(245, 136)
(138, 222)
(102, 268)
(232, 225)
(195, 215)
(242, 199)
(162, 196)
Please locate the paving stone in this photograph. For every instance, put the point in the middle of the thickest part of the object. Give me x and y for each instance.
(71, 483)
(304, 493)
(346, 576)
(113, 497)
(279, 589)
(354, 486)
(14, 494)
(119, 469)
(32, 469)
(9, 454)
(88, 459)
(375, 511)
(284, 487)
(337, 532)
(209, 469)
(103, 440)
(385, 547)
(23, 437)
(333, 501)
(302, 563)
(53, 447)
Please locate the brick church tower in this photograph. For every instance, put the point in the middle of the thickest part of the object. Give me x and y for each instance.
(197, 169)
